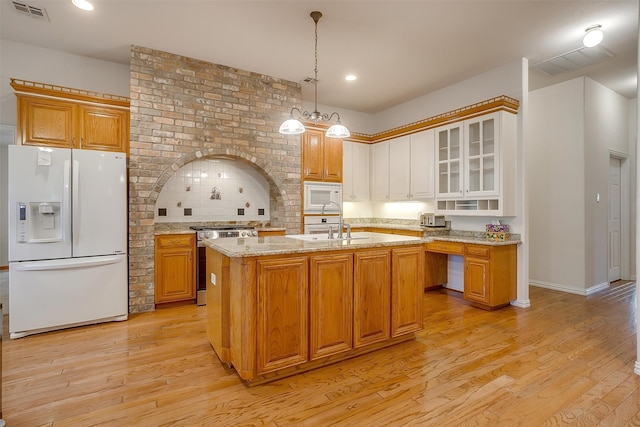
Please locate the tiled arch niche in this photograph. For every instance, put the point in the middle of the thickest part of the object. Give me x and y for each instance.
(183, 109)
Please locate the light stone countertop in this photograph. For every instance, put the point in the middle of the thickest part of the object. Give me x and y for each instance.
(281, 245)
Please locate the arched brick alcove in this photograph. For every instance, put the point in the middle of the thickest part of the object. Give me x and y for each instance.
(183, 109)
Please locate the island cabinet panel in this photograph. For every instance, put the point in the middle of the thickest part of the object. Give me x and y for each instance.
(372, 302)
(175, 266)
(282, 328)
(407, 284)
(218, 304)
(331, 302)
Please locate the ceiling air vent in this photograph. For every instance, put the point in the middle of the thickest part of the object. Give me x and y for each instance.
(573, 60)
(34, 12)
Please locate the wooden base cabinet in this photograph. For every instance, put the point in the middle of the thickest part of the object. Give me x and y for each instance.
(284, 314)
(331, 304)
(372, 305)
(407, 283)
(490, 271)
(283, 331)
(175, 268)
(490, 274)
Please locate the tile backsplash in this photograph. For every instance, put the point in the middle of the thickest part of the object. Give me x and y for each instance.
(214, 190)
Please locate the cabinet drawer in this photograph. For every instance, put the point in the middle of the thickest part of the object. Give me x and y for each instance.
(174, 240)
(477, 251)
(453, 248)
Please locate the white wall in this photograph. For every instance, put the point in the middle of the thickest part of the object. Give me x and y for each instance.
(633, 147)
(606, 129)
(505, 80)
(556, 186)
(33, 63)
(573, 127)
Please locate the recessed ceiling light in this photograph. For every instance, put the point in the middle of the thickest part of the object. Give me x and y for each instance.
(593, 36)
(82, 4)
(350, 77)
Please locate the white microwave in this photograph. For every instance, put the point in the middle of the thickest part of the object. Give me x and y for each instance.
(319, 194)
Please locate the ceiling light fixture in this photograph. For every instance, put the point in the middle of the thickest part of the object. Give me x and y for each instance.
(82, 4)
(593, 36)
(293, 126)
(350, 77)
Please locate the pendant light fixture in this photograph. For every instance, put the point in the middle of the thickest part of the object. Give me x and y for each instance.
(293, 126)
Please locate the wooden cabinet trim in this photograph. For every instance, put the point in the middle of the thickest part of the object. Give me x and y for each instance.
(452, 248)
(46, 90)
(477, 251)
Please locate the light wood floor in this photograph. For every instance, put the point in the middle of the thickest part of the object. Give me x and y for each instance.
(567, 360)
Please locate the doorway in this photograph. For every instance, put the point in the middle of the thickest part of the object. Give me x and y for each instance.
(618, 214)
(614, 222)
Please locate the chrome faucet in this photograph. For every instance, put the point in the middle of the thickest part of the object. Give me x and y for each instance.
(340, 224)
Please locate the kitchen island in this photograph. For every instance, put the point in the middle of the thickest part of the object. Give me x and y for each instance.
(278, 306)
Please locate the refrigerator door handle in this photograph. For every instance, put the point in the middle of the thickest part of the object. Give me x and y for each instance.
(66, 202)
(67, 264)
(75, 202)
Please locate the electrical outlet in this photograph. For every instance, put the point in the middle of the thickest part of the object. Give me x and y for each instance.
(213, 279)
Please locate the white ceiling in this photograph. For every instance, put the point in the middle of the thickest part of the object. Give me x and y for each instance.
(399, 49)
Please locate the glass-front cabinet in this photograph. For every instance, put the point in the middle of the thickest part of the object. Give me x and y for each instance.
(476, 166)
(482, 157)
(449, 140)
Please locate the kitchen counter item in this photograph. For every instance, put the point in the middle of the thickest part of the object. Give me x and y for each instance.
(432, 220)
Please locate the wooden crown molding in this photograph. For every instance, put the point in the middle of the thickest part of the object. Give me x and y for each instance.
(500, 103)
(27, 87)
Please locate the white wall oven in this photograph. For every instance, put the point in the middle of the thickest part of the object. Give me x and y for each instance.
(318, 194)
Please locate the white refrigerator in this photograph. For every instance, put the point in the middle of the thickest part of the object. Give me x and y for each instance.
(67, 238)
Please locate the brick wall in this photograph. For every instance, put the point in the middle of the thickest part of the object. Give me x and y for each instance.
(183, 109)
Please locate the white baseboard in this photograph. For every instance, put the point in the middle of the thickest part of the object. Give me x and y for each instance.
(522, 303)
(598, 288)
(568, 289)
(636, 368)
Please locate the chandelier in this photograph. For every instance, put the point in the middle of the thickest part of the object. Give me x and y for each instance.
(293, 126)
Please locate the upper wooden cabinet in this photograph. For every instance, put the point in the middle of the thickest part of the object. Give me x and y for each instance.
(321, 157)
(60, 117)
(104, 129)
